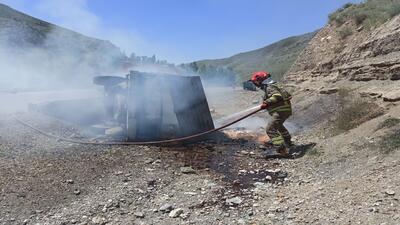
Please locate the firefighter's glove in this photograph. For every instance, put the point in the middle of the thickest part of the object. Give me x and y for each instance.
(264, 105)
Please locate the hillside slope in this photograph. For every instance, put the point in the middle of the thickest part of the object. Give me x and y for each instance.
(43, 51)
(276, 58)
(349, 72)
(351, 56)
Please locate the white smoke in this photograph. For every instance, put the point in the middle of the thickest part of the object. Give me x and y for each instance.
(75, 15)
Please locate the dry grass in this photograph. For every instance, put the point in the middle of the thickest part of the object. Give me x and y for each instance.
(390, 122)
(370, 13)
(354, 111)
(344, 33)
(390, 142)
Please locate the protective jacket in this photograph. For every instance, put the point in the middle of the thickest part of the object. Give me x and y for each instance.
(277, 98)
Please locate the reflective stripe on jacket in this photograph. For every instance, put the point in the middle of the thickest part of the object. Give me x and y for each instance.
(278, 99)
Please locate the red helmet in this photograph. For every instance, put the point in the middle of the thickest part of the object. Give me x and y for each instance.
(260, 76)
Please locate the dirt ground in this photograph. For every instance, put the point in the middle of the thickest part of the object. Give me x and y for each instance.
(331, 180)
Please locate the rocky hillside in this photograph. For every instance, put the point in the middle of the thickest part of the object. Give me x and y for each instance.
(47, 51)
(352, 54)
(349, 74)
(277, 58)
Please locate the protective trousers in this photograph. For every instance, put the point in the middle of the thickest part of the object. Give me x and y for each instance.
(277, 131)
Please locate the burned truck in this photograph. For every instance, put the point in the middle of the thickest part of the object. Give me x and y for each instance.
(141, 106)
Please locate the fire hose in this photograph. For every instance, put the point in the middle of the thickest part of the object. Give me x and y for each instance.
(139, 142)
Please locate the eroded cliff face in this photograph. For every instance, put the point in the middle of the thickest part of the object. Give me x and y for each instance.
(352, 57)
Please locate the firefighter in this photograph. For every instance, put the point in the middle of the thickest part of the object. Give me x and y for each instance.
(277, 101)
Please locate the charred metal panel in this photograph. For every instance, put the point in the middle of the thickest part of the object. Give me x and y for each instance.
(165, 106)
(190, 105)
(144, 104)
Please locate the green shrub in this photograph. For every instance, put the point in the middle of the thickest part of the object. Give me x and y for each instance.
(394, 10)
(337, 18)
(345, 32)
(359, 18)
(390, 122)
(347, 5)
(370, 13)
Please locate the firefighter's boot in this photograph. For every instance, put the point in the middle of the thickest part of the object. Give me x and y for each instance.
(284, 151)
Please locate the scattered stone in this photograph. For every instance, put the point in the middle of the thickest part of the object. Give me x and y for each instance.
(390, 192)
(268, 178)
(21, 195)
(242, 171)
(291, 217)
(244, 152)
(99, 220)
(166, 208)
(148, 161)
(373, 94)
(175, 213)
(77, 192)
(139, 214)
(233, 201)
(328, 91)
(151, 182)
(273, 171)
(187, 170)
(282, 174)
(241, 221)
(184, 215)
(70, 181)
(392, 96)
(126, 179)
(395, 76)
(255, 102)
(119, 173)
(374, 210)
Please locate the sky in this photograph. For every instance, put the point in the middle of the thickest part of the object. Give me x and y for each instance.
(183, 31)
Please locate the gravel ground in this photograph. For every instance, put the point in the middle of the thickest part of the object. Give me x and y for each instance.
(341, 180)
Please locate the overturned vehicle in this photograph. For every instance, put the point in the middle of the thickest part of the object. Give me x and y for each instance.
(140, 107)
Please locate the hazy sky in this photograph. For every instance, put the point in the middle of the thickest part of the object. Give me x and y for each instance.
(184, 30)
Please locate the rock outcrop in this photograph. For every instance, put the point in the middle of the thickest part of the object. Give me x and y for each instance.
(334, 60)
(363, 56)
